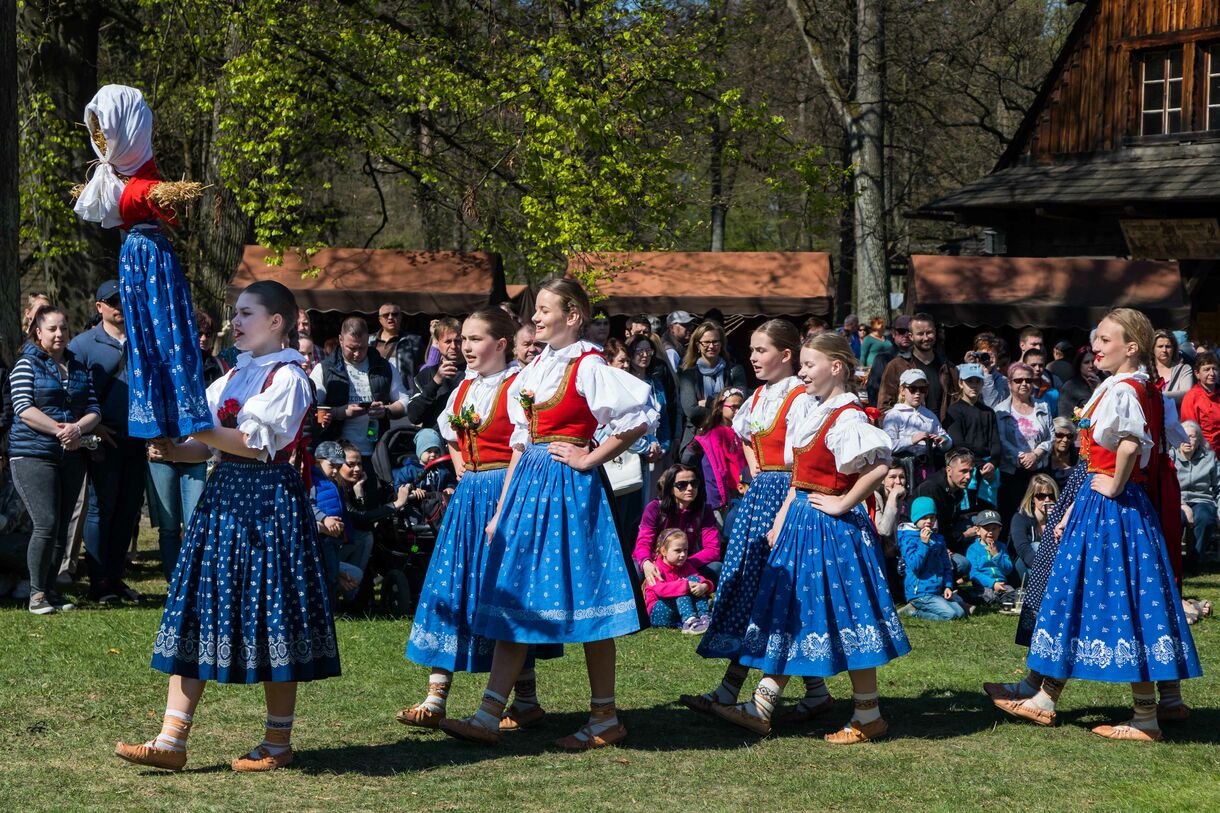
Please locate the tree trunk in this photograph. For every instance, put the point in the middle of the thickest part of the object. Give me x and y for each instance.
(867, 146)
(221, 228)
(716, 177)
(10, 196)
(64, 66)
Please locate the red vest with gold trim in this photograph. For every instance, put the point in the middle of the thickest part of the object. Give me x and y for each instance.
(769, 443)
(1102, 460)
(813, 465)
(486, 446)
(565, 416)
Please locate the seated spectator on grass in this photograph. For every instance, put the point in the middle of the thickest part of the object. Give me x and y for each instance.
(717, 450)
(678, 596)
(929, 577)
(1025, 530)
(955, 505)
(1200, 483)
(682, 505)
(1064, 453)
(327, 505)
(990, 566)
(366, 502)
(890, 505)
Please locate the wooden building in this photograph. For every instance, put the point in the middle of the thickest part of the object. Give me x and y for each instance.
(1119, 155)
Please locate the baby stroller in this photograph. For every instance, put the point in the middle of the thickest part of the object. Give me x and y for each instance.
(403, 546)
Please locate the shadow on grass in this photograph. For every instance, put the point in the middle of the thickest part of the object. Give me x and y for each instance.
(669, 727)
(1202, 727)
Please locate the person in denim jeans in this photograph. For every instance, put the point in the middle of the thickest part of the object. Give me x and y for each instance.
(929, 571)
(54, 408)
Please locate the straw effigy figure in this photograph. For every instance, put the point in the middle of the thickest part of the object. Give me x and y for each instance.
(164, 366)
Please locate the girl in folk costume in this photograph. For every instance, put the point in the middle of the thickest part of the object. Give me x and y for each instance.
(476, 425)
(823, 603)
(1111, 611)
(763, 423)
(561, 574)
(247, 602)
(164, 365)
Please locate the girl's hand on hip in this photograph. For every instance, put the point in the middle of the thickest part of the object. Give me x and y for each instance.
(570, 455)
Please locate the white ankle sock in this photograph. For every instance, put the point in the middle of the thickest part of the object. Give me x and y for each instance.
(766, 695)
(490, 711)
(603, 716)
(278, 736)
(438, 692)
(816, 693)
(730, 688)
(1145, 712)
(867, 707)
(174, 730)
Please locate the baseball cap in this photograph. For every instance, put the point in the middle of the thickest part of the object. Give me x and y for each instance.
(331, 452)
(107, 290)
(902, 322)
(680, 318)
(909, 377)
(922, 507)
(987, 517)
(965, 371)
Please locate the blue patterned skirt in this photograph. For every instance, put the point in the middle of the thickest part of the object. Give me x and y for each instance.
(1111, 611)
(561, 573)
(247, 602)
(1035, 580)
(745, 556)
(823, 601)
(442, 635)
(167, 395)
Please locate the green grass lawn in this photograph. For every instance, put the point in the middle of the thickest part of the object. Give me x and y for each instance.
(72, 684)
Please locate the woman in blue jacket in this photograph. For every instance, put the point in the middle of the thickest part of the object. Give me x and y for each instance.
(54, 407)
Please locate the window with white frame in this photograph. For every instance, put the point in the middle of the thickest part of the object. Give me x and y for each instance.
(1161, 92)
(1212, 87)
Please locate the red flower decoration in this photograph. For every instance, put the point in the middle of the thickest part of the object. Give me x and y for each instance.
(228, 413)
(873, 414)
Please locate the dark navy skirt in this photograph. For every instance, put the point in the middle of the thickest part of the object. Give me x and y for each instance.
(745, 556)
(248, 600)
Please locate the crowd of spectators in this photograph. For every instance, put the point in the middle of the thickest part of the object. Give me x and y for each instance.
(983, 444)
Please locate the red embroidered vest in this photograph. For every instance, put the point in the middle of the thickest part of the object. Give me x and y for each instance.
(813, 465)
(1102, 460)
(769, 443)
(565, 416)
(486, 446)
(283, 455)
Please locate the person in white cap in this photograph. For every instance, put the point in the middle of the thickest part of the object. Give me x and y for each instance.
(911, 425)
(677, 334)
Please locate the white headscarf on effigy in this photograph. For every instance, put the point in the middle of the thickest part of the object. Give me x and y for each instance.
(126, 121)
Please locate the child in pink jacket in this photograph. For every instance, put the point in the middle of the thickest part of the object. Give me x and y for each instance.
(680, 596)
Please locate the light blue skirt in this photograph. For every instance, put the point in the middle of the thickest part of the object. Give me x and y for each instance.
(745, 556)
(167, 396)
(823, 602)
(1111, 611)
(560, 572)
(442, 635)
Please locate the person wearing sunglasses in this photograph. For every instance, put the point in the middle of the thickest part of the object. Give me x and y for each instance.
(394, 344)
(681, 504)
(914, 429)
(1200, 482)
(1064, 454)
(1025, 530)
(1026, 434)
